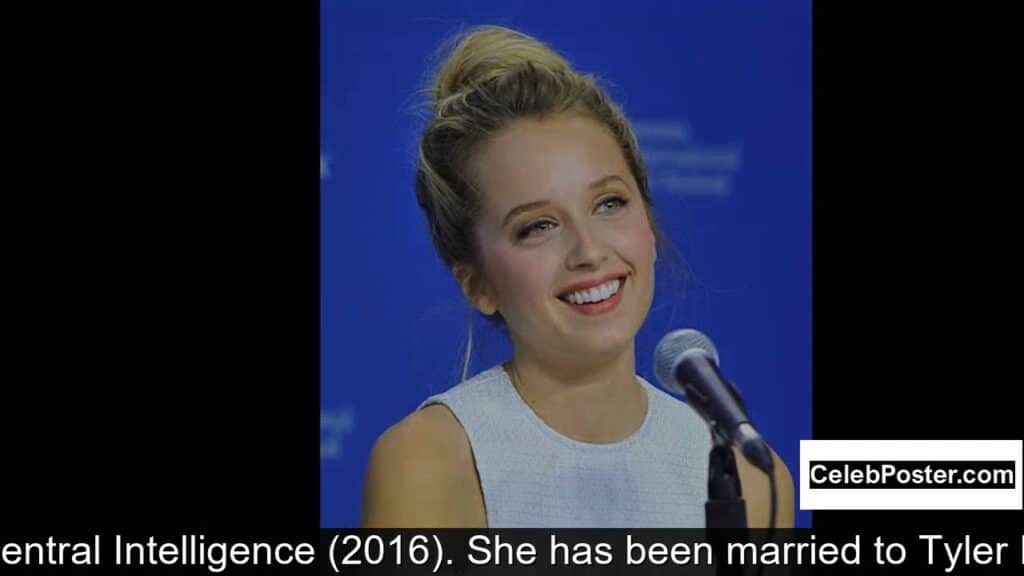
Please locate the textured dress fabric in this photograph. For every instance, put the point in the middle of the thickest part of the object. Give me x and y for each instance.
(533, 476)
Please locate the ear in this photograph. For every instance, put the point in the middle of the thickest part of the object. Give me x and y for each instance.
(475, 289)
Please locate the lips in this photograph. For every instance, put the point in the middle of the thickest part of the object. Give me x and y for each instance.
(591, 283)
(595, 296)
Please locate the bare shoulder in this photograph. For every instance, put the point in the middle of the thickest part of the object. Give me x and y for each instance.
(756, 488)
(421, 474)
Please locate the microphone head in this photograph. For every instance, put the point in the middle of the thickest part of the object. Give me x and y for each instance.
(673, 348)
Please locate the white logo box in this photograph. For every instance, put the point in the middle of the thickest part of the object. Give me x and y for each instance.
(910, 498)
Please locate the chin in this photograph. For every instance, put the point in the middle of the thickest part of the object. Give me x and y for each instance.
(604, 346)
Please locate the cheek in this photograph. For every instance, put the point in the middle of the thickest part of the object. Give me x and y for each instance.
(519, 278)
(640, 248)
(635, 240)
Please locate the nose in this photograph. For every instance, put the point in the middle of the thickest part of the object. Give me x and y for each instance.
(586, 250)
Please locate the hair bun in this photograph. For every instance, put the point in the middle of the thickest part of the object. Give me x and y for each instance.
(488, 52)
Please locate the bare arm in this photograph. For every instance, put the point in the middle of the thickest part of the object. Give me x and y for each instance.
(421, 475)
(757, 493)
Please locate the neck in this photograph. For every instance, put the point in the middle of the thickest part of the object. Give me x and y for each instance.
(596, 402)
(565, 374)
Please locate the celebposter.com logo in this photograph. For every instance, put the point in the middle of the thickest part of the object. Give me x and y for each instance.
(910, 474)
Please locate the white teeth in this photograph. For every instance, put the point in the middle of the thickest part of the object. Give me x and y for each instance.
(596, 294)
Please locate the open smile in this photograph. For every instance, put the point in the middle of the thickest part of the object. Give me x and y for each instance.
(595, 298)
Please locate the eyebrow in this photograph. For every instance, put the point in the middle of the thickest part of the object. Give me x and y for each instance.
(539, 203)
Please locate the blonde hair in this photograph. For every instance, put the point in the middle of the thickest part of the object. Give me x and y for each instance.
(493, 76)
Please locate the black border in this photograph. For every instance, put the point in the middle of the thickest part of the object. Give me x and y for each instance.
(909, 246)
(168, 357)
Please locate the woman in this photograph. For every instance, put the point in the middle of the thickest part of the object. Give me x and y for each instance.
(537, 200)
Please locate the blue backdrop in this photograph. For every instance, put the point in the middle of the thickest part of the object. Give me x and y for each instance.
(719, 93)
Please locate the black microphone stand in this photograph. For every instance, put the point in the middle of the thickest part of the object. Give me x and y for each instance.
(725, 507)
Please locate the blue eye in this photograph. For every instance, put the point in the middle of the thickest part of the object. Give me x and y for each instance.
(611, 203)
(530, 229)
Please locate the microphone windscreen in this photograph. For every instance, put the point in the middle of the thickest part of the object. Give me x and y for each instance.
(673, 348)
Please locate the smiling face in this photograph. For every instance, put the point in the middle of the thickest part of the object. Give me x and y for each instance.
(565, 242)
